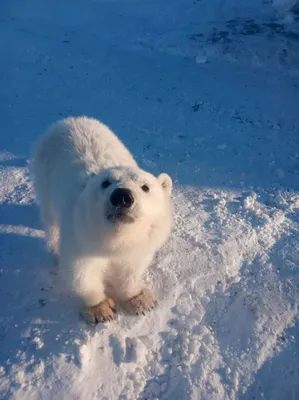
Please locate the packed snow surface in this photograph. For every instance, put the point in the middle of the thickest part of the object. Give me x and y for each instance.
(207, 91)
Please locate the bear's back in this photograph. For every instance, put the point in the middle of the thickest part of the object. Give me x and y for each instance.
(82, 142)
(96, 145)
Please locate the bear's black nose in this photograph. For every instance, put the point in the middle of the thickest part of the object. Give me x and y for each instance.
(122, 198)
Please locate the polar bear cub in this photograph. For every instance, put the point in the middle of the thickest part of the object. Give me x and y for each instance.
(104, 217)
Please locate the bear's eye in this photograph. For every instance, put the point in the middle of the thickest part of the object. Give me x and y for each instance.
(105, 184)
(145, 188)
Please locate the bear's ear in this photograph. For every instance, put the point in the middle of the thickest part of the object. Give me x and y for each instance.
(166, 182)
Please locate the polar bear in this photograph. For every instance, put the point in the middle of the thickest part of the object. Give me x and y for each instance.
(104, 217)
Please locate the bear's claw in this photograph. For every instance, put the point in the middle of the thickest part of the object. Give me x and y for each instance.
(144, 301)
(101, 312)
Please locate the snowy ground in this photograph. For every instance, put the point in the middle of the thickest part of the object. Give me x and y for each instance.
(207, 91)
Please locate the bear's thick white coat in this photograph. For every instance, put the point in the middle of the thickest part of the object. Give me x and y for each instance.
(102, 254)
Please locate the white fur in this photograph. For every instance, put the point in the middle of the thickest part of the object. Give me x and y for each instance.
(98, 259)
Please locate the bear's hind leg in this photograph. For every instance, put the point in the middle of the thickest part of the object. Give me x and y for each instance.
(51, 230)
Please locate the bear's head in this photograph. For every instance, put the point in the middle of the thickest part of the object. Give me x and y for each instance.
(124, 207)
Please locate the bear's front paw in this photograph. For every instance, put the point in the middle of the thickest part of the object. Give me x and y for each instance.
(101, 312)
(144, 301)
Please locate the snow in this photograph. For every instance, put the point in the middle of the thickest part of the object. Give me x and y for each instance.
(207, 92)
